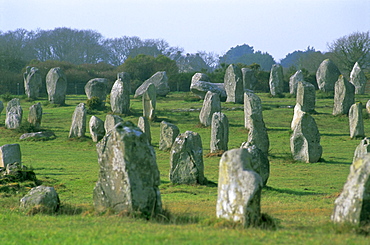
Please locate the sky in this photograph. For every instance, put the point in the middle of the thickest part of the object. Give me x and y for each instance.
(277, 27)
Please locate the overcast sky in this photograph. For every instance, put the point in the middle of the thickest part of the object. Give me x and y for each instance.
(278, 27)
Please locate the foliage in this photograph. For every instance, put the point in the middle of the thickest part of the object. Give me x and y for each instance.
(94, 103)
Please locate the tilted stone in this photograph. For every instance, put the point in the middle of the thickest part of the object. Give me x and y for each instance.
(169, 133)
(32, 82)
(344, 96)
(200, 85)
(35, 115)
(44, 198)
(326, 75)
(56, 85)
(306, 96)
(358, 79)
(249, 78)
(362, 149)
(211, 104)
(78, 126)
(293, 81)
(356, 123)
(160, 82)
(276, 80)
(233, 82)
(149, 102)
(120, 94)
(144, 124)
(97, 87)
(252, 109)
(10, 153)
(111, 121)
(219, 132)
(42, 135)
(96, 128)
(14, 114)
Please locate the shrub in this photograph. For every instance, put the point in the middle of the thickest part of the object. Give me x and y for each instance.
(94, 103)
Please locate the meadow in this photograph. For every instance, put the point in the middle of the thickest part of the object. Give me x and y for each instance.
(299, 196)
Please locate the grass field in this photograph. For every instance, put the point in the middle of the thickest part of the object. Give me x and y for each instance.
(298, 196)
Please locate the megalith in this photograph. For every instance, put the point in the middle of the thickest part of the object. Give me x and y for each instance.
(233, 82)
(35, 115)
(249, 78)
(110, 121)
(32, 82)
(326, 75)
(97, 87)
(169, 133)
(144, 124)
(306, 96)
(211, 104)
(344, 96)
(10, 153)
(356, 122)
(358, 79)
(56, 86)
(149, 102)
(201, 84)
(362, 149)
(160, 81)
(120, 94)
(96, 128)
(276, 80)
(293, 81)
(44, 198)
(14, 114)
(219, 132)
(252, 109)
(78, 126)
(298, 113)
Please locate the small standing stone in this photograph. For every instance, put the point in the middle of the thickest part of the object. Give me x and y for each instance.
(32, 82)
(78, 127)
(358, 79)
(14, 114)
(326, 75)
(144, 124)
(120, 94)
(169, 132)
(35, 115)
(149, 102)
(219, 132)
(211, 104)
(293, 82)
(10, 153)
(344, 96)
(97, 87)
(356, 123)
(233, 82)
(111, 121)
(252, 109)
(45, 198)
(276, 80)
(249, 78)
(56, 85)
(96, 128)
(306, 96)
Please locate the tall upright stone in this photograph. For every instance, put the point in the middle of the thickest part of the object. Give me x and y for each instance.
(211, 104)
(186, 160)
(78, 126)
(32, 82)
(35, 115)
(149, 102)
(160, 81)
(200, 85)
(97, 87)
(120, 94)
(14, 114)
(144, 124)
(169, 133)
(249, 78)
(219, 132)
(326, 75)
(362, 149)
(293, 81)
(56, 85)
(358, 79)
(96, 128)
(344, 96)
(233, 82)
(306, 96)
(356, 123)
(111, 121)
(276, 80)
(129, 176)
(10, 153)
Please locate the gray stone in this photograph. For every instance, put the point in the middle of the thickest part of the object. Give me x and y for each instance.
(129, 176)
(293, 81)
(358, 79)
(160, 82)
(97, 87)
(169, 133)
(368, 106)
(344, 96)
(149, 102)
(42, 135)
(249, 78)
(44, 198)
(298, 113)
(186, 160)
(219, 132)
(35, 115)
(111, 121)
(120, 94)
(78, 126)
(252, 109)
(1, 106)
(239, 189)
(233, 82)
(96, 128)
(200, 85)
(10, 153)
(144, 124)
(56, 85)
(362, 149)
(356, 123)
(32, 82)
(14, 114)
(276, 80)
(211, 104)
(326, 75)
(306, 96)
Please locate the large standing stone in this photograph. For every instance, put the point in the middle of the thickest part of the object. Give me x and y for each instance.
(129, 176)
(362, 149)
(249, 78)
(239, 189)
(144, 124)
(305, 140)
(45, 198)
(10, 153)
(169, 133)
(56, 85)
(111, 121)
(32, 82)
(200, 85)
(35, 115)
(149, 102)
(159, 80)
(187, 160)
(344, 96)
(211, 104)
(14, 114)
(96, 128)
(97, 87)
(306, 96)
(252, 109)
(78, 127)
(233, 82)
(120, 94)
(358, 79)
(356, 123)
(276, 80)
(293, 81)
(353, 204)
(326, 75)
(219, 132)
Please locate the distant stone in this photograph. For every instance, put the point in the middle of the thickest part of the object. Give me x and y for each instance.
(35, 115)
(42, 135)
(111, 121)
(344, 96)
(78, 126)
(200, 85)
(362, 149)
(252, 109)
(149, 102)
(233, 82)
(326, 75)
(276, 80)
(293, 81)
(297, 116)
(160, 82)
(32, 82)
(44, 198)
(97, 87)
(249, 78)
(10, 153)
(96, 128)
(358, 79)
(144, 124)
(169, 132)
(219, 132)
(306, 96)
(120, 94)
(14, 114)
(56, 85)
(211, 104)
(356, 122)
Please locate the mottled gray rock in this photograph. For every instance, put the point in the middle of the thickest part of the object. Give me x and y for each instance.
(200, 85)
(368, 106)
(96, 128)
(298, 113)
(306, 96)
(344, 96)
(358, 79)
(44, 198)
(249, 78)
(111, 121)
(149, 102)
(35, 115)
(42, 135)
(186, 160)
(233, 82)
(129, 176)
(78, 126)
(144, 124)
(356, 123)
(276, 80)
(169, 132)
(326, 75)
(97, 87)
(10, 153)
(56, 85)
(160, 82)
(14, 114)
(120, 94)
(252, 109)
(293, 82)
(211, 104)
(32, 82)
(219, 132)
(362, 149)
(239, 189)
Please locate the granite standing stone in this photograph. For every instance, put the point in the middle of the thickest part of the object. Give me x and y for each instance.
(219, 132)
(252, 109)
(297, 116)
(344, 96)
(293, 82)
(9, 154)
(362, 149)
(160, 82)
(169, 133)
(211, 104)
(78, 126)
(56, 85)
(200, 85)
(326, 75)
(276, 80)
(306, 96)
(111, 121)
(96, 128)
(35, 115)
(149, 102)
(14, 114)
(358, 79)
(233, 82)
(356, 123)
(249, 78)
(32, 82)
(120, 94)
(144, 124)
(97, 87)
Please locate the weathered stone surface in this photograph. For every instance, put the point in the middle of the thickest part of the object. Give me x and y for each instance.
(111, 121)
(160, 82)
(14, 114)
(362, 149)
(56, 85)
(358, 79)
(35, 115)
(211, 104)
(305, 140)
(32, 82)
(200, 85)
(298, 113)
(43, 197)
(186, 160)
(239, 188)
(144, 124)
(129, 176)
(169, 133)
(219, 132)
(120, 94)
(306, 96)
(293, 82)
(353, 204)
(78, 126)
(97, 87)
(276, 80)
(149, 102)
(233, 82)
(356, 123)
(249, 78)
(10, 153)
(368, 106)
(42, 135)
(96, 128)
(326, 75)
(344, 96)
(252, 109)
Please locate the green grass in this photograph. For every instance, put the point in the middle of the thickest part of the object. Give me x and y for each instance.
(298, 196)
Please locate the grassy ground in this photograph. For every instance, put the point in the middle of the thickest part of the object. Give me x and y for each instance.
(298, 196)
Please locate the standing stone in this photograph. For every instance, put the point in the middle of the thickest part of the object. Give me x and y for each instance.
(249, 78)
(353, 204)
(200, 85)
(239, 189)
(305, 140)
(160, 82)
(356, 123)
(56, 85)
(298, 113)
(32, 82)
(14, 113)
(129, 176)
(144, 125)
(187, 160)
(252, 109)
(293, 82)
(233, 82)
(358, 79)
(97, 87)
(169, 133)
(276, 80)
(44, 198)
(368, 106)
(211, 104)
(9, 154)
(111, 121)
(219, 132)
(306, 96)
(96, 128)
(78, 127)
(1, 106)
(120, 94)
(326, 75)
(35, 115)
(362, 149)
(149, 102)
(344, 96)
